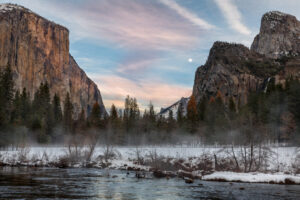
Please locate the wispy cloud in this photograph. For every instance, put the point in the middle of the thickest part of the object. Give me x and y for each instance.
(233, 16)
(187, 14)
(144, 29)
(138, 62)
(130, 24)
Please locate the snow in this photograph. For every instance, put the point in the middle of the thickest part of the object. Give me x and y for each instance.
(252, 177)
(277, 13)
(9, 7)
(274, 14)
(126, 157)
(283, 155)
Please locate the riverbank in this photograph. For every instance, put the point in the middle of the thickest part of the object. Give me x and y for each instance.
(277, 165)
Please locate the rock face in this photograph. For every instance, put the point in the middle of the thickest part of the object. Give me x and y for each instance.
(174, 108)
(38, 51)
(279, 35)
(235, 71)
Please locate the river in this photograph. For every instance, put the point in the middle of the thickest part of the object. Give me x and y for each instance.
(77, 183)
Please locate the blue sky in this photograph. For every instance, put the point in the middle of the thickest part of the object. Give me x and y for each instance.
(150, 49)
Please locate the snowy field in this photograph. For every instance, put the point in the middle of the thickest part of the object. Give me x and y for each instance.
(280, 165)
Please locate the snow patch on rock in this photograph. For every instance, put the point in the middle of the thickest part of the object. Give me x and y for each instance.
(9, 7)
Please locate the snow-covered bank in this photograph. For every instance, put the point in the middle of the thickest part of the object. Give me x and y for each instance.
(278, 164)
(277, 178)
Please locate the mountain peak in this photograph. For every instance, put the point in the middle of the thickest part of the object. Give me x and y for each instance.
(279, 35)
(275, 13)
(174, 108)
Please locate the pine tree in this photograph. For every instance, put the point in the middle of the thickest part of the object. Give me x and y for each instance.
(192, 114)
(215, 118)
(202, 109)
(57, 111)
(6, 95)
(42, 120)
(180, 114)
(134, 110)
(114, 118)
(151, 113)
(171, 121)
(68, 114)
(170, 116)
(95, 116)
(131, 113)
(16, 117)
(192, 110)
(25, 106)
(113, 113)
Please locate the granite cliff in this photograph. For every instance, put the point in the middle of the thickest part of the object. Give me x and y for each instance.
(37, 51)
(234, 70)
(279, 35)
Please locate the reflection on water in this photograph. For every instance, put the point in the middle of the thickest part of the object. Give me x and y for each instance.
(46, 183)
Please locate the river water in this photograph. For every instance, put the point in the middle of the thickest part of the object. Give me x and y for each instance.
(49, 183)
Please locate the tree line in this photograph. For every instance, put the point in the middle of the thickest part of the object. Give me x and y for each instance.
(272, 115)
(39, 116)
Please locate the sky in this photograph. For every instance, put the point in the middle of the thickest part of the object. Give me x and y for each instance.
(150, 49)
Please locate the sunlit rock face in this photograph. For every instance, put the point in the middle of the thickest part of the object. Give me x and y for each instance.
(38, 51)
(279, 35)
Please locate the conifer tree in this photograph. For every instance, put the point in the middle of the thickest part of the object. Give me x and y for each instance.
(6, 95)
(57, 111)
(170, 116)
(95, 116)
(192, 109)
(113, 113)
(171, 121)
(68, 114)
(201, 109)
(114, 118)
(131, 113)
(16, 109)
(151, 113)
(192, 114)
(25, 105)
(42, 114)
(180, 114)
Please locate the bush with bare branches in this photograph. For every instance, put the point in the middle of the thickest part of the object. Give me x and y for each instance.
(138, 155)
(296, 163)
(246, 158)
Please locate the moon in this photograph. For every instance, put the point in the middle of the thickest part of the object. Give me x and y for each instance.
(190, 60)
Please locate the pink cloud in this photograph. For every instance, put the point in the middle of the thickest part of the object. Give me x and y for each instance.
(114, 89)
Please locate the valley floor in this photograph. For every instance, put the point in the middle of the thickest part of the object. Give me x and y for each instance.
(280, 164)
